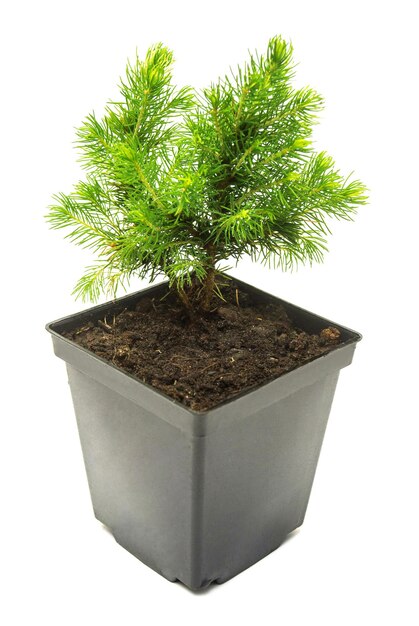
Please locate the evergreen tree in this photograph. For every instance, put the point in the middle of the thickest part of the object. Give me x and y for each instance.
(178, 182)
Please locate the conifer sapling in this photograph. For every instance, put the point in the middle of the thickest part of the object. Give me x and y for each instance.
(179, 182)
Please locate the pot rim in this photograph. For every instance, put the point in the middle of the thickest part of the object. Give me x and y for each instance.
(97, 311)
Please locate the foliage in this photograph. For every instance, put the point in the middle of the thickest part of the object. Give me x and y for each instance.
(179, 181)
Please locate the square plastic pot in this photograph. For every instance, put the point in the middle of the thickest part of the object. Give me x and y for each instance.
(199, 497)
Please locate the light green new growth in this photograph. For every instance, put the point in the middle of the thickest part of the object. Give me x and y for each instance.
(179, 181)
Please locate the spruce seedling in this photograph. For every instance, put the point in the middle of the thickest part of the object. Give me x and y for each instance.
(179, 182)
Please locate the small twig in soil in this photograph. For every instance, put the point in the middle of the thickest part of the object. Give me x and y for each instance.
(105, 326)
(204, 369)
(82, 330)
(237, 298)
(181, 357)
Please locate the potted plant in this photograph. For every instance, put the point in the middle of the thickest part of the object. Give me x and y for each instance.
(202, 402)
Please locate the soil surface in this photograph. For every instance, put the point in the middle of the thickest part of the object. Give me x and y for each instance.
(238, 345)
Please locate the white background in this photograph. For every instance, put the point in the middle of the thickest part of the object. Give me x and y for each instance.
(355, 560)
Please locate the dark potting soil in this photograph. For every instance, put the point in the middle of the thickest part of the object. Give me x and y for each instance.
(240, 344)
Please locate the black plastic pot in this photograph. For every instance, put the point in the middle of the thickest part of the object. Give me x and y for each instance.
(199, 497)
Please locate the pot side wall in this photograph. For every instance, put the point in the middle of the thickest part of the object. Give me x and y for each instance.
(258, 474)
(200, 509)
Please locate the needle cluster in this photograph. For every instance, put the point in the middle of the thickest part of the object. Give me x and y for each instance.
(179, 182)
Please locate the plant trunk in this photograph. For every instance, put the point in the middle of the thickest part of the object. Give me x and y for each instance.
(197, 297)
(208, 289)
(209, 281)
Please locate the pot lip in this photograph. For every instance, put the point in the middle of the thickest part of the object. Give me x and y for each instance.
(98, 309)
